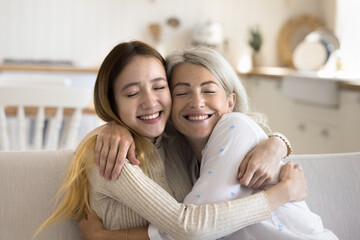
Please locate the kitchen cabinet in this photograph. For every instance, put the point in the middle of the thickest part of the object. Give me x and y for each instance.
(311, 128)
(350, 119)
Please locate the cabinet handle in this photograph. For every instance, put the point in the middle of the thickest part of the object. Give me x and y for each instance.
(302, 127)
(325, 133)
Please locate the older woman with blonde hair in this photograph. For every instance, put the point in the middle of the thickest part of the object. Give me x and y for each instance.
(210, 109)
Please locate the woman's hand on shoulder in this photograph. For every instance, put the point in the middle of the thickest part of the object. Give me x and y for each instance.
(114, 143)
(261, 163)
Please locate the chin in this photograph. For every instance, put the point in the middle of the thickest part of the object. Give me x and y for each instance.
(155, 134)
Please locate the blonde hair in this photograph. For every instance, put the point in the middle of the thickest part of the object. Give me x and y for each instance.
(72, 197)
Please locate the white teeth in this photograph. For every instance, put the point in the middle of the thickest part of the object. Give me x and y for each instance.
(149, 117)
(199, 117)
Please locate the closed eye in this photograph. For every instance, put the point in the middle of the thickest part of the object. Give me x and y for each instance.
(132, 95)
(159, 88)
(181, 94)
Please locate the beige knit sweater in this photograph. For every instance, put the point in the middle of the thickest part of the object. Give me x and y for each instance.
(135, 199)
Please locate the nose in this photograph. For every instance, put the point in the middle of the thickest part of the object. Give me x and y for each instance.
(197, 100)
(149, 100)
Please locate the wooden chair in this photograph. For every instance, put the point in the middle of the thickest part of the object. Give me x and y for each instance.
(43, 101)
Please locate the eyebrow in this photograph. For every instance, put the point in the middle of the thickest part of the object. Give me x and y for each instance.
(158, 79)
(188, 84)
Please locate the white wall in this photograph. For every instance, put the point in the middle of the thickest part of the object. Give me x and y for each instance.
(85, 30)
(328, 12)
(347, 28)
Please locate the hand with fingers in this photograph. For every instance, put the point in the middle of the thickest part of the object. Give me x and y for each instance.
(294, 176)
(260, 164)
(91, 227)
(114, 144)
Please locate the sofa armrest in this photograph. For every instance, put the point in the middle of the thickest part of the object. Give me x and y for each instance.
(334, 190)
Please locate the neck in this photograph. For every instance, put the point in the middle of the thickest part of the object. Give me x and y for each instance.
(197, 145)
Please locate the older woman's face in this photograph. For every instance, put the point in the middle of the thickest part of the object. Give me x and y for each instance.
(199, 101)
(142, 96)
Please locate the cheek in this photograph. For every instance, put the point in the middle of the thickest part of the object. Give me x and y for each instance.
(173, 112)
(168, 101)
(222, 105)
(175, 109)
(164, 99)
(124, 109)
(176, 118)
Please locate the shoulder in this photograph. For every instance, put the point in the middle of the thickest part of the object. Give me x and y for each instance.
(235, 117)
(233, 127)
(235, 121)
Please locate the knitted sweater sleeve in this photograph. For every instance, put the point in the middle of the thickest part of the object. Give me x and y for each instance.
(138, 192)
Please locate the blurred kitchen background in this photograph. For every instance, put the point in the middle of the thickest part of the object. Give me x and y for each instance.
(299, 59)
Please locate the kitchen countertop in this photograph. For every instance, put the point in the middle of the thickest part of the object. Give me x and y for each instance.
(277, 73)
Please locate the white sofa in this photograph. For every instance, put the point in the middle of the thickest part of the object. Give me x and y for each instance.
(29, 181)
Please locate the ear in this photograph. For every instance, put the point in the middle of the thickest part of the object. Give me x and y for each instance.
(231, 102)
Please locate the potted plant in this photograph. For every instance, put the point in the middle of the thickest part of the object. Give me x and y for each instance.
(255, 42)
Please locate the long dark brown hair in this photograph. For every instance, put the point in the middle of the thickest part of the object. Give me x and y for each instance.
(73, 194)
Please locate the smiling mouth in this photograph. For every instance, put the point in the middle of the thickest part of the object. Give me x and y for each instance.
(198, 117)
(149, 117)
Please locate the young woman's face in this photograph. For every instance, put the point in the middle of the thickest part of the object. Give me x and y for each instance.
(199, 101)
(142, 96)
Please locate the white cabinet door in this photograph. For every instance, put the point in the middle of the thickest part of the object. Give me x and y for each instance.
(265, 97)
(310, 128)
(308, 136)
(350, 120)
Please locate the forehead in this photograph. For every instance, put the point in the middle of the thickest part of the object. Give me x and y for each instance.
(191, 73)
(139, 69)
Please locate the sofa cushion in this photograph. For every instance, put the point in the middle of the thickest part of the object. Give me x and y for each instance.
(28, 184)
(30, 180)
